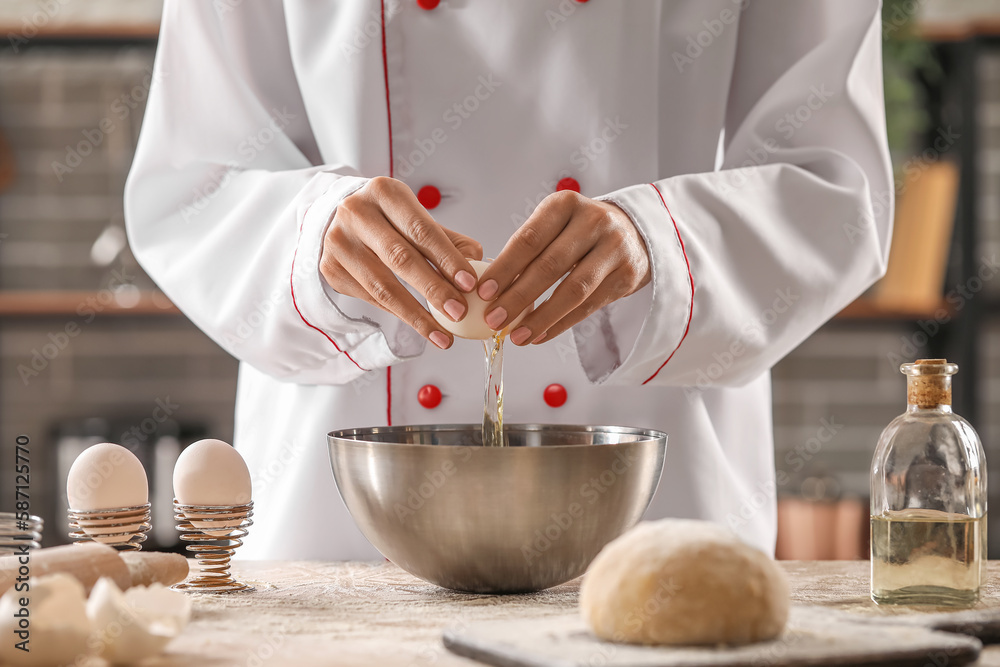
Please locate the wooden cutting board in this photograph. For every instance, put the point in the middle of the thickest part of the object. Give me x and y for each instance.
(815, 637)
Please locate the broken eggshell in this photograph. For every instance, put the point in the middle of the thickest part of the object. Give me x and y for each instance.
(59, 627)
(473, 325)
(136, 624)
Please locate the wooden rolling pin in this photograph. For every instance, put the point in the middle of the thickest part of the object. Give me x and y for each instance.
(91, 561)
(149, 567)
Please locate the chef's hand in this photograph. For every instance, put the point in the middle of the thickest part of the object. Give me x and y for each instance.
(381, 232)
(595, 242)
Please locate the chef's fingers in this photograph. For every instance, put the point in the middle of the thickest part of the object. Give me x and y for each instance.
(546, 270)
(614, 287)
(586, 277)
(406, 214)
(382, 289)
(545, 223)
(340, 279)
(468, 246)
(411, 266)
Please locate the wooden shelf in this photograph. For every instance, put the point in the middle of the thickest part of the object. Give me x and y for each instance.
(870, 309)
(938, 31)
(986, 26)
(84, 31)
(935, 31)
(28, 303)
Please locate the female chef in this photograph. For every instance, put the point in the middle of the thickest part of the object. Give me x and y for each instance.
(708, 179)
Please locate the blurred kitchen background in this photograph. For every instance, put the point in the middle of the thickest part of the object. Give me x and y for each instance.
(89, 351)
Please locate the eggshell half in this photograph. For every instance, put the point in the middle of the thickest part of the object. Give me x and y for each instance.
(136, 624)
(59, 626)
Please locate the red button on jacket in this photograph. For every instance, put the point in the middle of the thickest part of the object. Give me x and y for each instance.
(429, 396)
(431, 4)
(555, 395)
(429, 197)
(568, 184)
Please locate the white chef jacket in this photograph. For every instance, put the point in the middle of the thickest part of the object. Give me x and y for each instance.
(745, 140)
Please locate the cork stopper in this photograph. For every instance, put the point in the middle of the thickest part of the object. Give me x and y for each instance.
(928, 382)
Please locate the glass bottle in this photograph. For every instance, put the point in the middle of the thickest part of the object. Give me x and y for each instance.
(928, 498)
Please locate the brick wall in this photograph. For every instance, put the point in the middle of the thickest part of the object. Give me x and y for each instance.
(119, 370)
(72, 116)
(989, 245)
(27, 17)
(845, 370)
(989, 162)
(832, 398)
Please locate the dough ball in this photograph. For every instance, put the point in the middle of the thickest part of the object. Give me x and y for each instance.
(683, 582)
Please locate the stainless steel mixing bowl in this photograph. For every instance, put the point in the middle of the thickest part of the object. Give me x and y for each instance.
(496, 519)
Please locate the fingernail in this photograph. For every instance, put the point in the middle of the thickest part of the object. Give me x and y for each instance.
(465, 281)
(520, 335)
(454, 309)
(540, 338)
(496, 317)
(488, 289)
(439, 339)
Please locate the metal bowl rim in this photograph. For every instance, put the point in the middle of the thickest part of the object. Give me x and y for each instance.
(356, 435)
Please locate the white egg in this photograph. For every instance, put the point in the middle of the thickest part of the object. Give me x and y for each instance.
(212, 472)
(473, 325)
(106, 476)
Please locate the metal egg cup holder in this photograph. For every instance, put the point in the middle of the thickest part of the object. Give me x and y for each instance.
(123, 528)
(212, 534)
(19, 533)
(213, 547)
